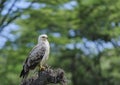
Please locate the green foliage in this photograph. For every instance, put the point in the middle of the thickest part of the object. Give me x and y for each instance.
(69, 31)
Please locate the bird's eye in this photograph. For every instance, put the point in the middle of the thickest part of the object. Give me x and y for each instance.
(43, 37)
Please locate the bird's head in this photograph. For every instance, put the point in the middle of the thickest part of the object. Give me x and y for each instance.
(42, 37)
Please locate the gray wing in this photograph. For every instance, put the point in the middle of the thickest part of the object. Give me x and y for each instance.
(35, 56)
(33, 59)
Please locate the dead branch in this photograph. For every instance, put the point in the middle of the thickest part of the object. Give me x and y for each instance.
(47, 76)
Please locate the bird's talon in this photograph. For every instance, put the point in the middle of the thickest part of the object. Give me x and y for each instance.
(42, 68)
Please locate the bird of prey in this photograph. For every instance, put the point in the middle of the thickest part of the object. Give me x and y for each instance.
(37, 57)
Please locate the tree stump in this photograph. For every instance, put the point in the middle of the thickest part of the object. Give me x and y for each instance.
(47, 76)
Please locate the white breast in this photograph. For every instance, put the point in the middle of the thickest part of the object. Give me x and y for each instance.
(45, 57)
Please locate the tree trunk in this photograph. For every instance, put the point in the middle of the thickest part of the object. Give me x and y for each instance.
(47, 76)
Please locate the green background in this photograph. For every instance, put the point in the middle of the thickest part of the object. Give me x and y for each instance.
(84, 36)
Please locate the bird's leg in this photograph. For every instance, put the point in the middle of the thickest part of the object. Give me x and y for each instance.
(42, 68)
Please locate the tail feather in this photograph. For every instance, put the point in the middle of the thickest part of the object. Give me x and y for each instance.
(24, 73)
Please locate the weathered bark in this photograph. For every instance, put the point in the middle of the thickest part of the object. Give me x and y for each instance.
(47, 76)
